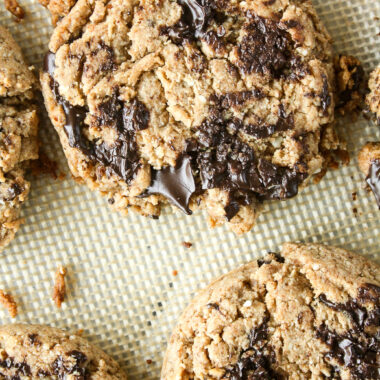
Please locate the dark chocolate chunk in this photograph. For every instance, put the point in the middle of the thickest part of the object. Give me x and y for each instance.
(262, 130)
(358, 348)
(177, 183)
(196, 15)
(76, 364)
(373, 179)
(231, 209)
(13, 191)
(325, 95)
(265, 48)
(277, 256)
(121, 157)
(257, 360)
(18, 368)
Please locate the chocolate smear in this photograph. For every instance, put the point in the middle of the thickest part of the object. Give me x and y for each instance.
(196, 15)
(373, 179)
(358, 348)
(177, 183)
(121, 157)
(257, 360)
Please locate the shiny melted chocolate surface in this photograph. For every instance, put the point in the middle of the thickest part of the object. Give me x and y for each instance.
(358, 349)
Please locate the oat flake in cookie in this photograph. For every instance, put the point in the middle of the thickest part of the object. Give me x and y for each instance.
(311, 312)
(18, 133)
(218, 105)
(43, 352)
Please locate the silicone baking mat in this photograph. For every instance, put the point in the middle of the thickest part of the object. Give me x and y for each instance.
(130, 277)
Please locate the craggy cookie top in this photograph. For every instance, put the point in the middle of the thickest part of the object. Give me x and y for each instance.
(217, 104)
(310, 313)
(18, 133)
(373, 98)
(43, 352)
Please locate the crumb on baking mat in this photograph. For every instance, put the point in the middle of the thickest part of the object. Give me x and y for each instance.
(59, 290)
(8, 302)
(14, 7)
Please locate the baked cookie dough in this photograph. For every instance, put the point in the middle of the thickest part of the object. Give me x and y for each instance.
(18, 133)
(43, 352)
(310, 313)
(216, 105)
(373, 98)
(369, 163)
(349, 84)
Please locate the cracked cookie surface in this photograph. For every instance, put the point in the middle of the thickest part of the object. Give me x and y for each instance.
(216, 105)
(18, 133)
(37, 351)
(311, 312)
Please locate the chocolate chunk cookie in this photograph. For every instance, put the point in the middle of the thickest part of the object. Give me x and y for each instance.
(311, 312)
(43, 352)
(18, 133)
(373, 98)
(369, 163)
(218, 105)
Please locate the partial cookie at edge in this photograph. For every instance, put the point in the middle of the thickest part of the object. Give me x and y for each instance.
(34, 351)
(283, 317)
(18, 133)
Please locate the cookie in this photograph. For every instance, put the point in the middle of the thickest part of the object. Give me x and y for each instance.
(369, 163)
(217, 105)
(58, 8)
(18, 133)
(349, 84)
(43, 352)
(373, 98)
(310, 313)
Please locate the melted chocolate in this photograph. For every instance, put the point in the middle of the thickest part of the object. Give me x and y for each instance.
(373, 179)
(256, 361)
(176, 184)
(358, 348)
(225, 162)
(265, 49)
(196, 15)
(121, 157)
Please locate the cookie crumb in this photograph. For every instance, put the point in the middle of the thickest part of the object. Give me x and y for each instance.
(79, 332)
(8, 301)
(59, 286)
(44, 165)
(355, 211)
(175, 273)
(14, 7)
(148, 361)
(354, 196)
(187, 244)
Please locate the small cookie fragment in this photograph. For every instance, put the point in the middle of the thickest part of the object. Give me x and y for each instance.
(18, 134)
(369, 164)
(59, 286)
(350, 83)
(373, 98)
(8, 301)
(14, 7)
(31, 352)
(310, 313)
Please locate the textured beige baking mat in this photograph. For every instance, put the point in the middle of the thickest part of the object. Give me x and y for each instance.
(130, 277)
